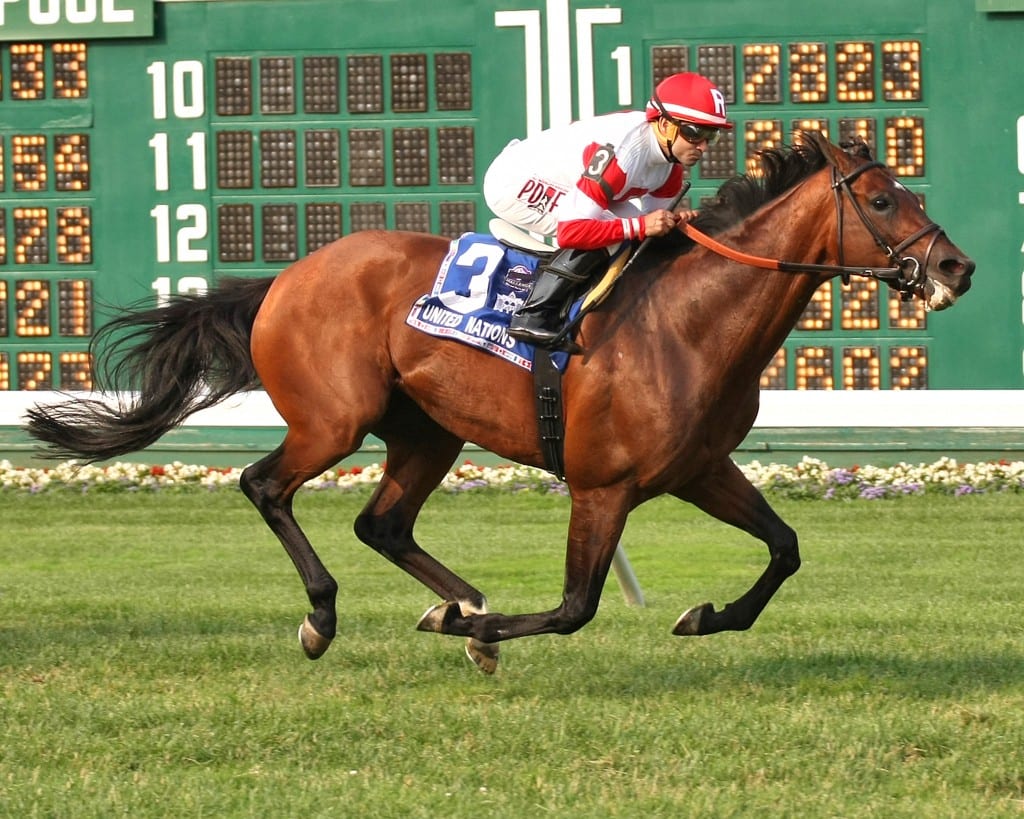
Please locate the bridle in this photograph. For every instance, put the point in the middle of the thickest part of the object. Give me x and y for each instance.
(907, 273)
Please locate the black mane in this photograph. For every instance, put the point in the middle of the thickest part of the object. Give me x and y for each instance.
(780, 170)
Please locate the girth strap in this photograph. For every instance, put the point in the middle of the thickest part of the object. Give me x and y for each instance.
(547, 385)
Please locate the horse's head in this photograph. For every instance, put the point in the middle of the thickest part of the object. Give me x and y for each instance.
(892, 226)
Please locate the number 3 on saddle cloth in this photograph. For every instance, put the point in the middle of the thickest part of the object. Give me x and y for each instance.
(480, 284)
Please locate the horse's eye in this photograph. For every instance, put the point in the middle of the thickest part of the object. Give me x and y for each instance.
(881, 203)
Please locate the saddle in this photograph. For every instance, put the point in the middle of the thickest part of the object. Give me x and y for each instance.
(512, 236)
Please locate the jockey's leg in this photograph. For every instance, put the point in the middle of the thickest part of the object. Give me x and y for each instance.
(540, 318)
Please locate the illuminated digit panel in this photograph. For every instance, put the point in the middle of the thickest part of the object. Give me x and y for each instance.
(75, 371)
(31, 236)
(32, 308)
(74, 307)
(34, 369)
(908, 366)
(904, 145)
(28, 72)
(855, 72)
(907, 315)
(773, 377)
(814, 369)
(28, 162)
(808, 71)
(49, 170)
(860, 310)
(70, 71)
(760, 135)
(862, 368)
(901, 70)
(74, 236)
(71, 166)
(799, 125)
(761, 73)
(818, 313)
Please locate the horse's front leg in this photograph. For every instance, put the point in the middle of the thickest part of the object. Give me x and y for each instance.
(595, 525)
(726, 494)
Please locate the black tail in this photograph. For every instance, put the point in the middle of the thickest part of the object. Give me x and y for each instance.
(177, 359)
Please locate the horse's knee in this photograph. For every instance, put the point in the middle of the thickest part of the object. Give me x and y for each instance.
(385, 533)
(785, 551)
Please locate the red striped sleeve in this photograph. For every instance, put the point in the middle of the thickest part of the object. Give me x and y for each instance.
(590, 234)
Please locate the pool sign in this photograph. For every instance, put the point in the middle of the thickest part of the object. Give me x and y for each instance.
(75, 19)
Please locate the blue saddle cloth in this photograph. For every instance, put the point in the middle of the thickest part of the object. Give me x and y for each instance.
(479, 285)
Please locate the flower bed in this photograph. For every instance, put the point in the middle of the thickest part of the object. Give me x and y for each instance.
(811, 478)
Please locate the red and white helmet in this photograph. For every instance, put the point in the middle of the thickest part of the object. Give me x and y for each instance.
(689, 97)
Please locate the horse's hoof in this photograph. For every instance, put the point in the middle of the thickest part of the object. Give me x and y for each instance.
(312, 641)
(485, 655)
(436, 617)
(689, 622)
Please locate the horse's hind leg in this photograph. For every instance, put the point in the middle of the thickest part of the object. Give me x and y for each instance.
(412, 472)
(271, 484)
(730, 497)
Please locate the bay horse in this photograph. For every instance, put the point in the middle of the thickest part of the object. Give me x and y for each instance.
(665, 389)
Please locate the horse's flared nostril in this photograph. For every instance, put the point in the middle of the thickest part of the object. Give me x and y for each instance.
(959, 266)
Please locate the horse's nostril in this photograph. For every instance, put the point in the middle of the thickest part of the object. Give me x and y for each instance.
(957, 266)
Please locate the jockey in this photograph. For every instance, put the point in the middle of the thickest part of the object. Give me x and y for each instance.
(599, 182)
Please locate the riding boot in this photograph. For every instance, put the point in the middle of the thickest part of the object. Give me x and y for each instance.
(540, 319)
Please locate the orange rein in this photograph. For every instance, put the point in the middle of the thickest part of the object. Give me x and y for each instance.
(722, 250)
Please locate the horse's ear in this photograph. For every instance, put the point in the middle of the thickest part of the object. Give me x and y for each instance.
(837, 155)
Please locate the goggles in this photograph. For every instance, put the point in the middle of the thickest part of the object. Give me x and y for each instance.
(695, 134)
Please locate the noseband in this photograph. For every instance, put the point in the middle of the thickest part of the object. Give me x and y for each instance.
(906, 275)
(908, 272)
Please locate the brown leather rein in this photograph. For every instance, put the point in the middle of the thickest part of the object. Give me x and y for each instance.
(906, 275)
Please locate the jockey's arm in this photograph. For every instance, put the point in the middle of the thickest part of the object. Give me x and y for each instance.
(585, 225)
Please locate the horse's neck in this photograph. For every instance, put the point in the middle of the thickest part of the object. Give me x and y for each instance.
(751, 310)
